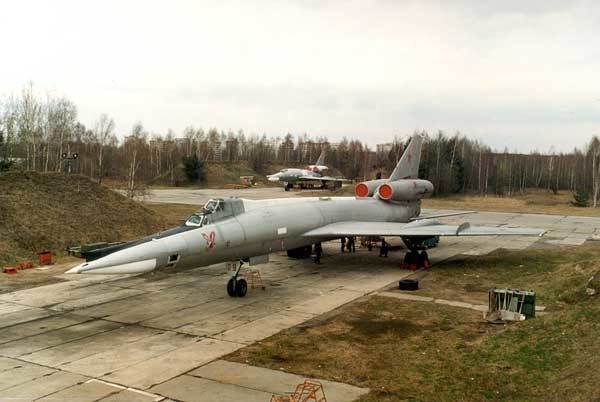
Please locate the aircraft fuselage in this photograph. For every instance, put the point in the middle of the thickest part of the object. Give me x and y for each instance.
(265, 226)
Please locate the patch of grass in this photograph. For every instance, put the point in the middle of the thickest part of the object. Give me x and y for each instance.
(171, 214)
(535, 201)
(557, 275)
(415, 351)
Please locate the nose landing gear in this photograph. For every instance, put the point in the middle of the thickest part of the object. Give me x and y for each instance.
(237, 287)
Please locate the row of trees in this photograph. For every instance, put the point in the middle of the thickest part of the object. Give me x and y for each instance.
(36, 132)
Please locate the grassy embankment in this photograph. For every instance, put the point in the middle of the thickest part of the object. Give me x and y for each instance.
(419, 351)
(53, 211)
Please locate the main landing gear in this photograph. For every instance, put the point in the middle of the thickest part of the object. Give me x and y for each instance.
(417, 256)
(237, 287)
(414, 260)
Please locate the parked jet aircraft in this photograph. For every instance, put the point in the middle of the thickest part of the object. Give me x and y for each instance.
(233, 229)
(313, 174)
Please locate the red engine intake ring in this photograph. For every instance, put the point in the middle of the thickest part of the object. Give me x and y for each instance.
(361, 190)
(385, 191)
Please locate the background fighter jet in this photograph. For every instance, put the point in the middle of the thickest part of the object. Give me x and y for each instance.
(234, 229)
(312, 174)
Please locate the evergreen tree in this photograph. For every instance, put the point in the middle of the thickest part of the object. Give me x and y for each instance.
(193, 168)
(580, 198)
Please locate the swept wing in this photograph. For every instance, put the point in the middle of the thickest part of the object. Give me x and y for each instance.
(415, 228)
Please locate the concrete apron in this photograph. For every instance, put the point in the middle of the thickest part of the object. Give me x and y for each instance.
(135, 338)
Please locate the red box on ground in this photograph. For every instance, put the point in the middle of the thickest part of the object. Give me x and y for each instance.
(45, 258)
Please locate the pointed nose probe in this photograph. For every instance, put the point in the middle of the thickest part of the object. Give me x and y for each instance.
(138, 259)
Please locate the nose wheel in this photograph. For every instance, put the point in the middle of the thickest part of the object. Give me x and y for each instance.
(237, 287)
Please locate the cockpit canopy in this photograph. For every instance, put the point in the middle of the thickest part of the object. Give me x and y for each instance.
(215, 210)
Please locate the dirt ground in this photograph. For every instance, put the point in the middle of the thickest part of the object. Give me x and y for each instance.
(39, 276)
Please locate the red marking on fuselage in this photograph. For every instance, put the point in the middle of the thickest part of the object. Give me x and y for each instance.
(210, 239)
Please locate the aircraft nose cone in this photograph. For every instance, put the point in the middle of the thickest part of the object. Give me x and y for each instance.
(133, 260)
(74, 270)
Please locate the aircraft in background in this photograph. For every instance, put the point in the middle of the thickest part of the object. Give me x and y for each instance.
(309, 177)
(247, 231)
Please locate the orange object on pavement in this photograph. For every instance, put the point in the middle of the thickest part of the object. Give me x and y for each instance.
(9, 270)
(308, 391)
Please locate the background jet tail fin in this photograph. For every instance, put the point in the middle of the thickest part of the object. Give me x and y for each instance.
(321, 159)
(408, 166)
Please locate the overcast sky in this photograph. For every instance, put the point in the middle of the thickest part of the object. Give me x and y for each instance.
(521, 74)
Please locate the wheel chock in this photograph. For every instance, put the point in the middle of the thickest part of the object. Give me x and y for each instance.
(9, 270)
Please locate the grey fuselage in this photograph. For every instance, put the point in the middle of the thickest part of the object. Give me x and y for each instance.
(262, 227)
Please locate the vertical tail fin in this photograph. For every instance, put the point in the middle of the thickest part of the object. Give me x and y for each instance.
(321, 159)
(408, 166)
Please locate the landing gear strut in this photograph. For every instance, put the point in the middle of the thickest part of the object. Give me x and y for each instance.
(417, 260)
(237, 287)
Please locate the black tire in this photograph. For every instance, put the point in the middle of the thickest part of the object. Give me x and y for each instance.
(241, 288)
(412, 257)
(408, 284)
(231, 288)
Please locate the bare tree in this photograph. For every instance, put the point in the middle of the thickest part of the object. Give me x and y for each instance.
(135, 147)
(103, 133)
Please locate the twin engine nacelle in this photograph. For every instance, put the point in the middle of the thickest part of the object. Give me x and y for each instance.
(400, 190)
(368, 188)
(316, 168)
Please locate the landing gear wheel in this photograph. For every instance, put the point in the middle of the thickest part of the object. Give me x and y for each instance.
(423, 260)
(231, 288)
(412, 257)
(241, 288)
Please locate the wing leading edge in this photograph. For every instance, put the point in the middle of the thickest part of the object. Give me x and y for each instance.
(417, 228)
(322, 178)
